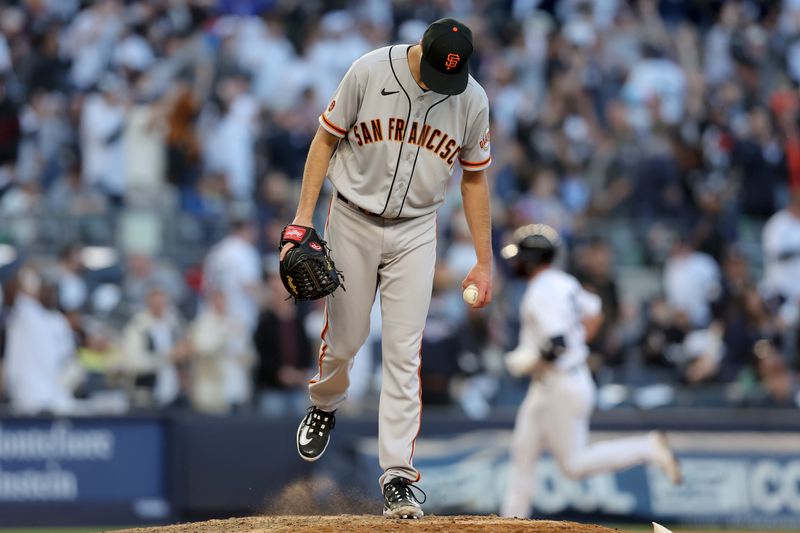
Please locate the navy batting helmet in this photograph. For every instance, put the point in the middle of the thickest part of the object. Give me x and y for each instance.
(532, 245)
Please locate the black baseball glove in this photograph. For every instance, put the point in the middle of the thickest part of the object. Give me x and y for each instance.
(307, 271)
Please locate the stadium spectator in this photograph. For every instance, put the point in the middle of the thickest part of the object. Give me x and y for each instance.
(632, 120)
(72, 289)
(47, 69)
(10, 135)
(691, 283)
(663, 334)
(233, 265)
(102, 148)
(100, 358)
(155, 350)
(276, 196)
(142, 272)
(39, 349)
(144, 144)
(44, 132)
(71, 196)
(743, 314)
(90, 40)
(229, 146)
(781, 241)
(594, 268)
(22, 206)
(183, 143)
(222, 359)
(284, 353)
(781, 386)
(543, 204)
(759, 163)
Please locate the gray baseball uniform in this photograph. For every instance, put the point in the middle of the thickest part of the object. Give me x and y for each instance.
(399, 146)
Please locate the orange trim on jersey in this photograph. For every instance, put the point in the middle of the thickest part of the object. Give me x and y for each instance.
(419, 424)
(470, 164)
(328, 217)
(419, 374)
(324, 348)
(333, 126)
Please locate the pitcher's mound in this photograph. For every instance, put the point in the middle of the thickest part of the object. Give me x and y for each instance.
(367, 523)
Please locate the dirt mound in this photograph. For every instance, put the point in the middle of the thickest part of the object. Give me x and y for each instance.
(372, 523)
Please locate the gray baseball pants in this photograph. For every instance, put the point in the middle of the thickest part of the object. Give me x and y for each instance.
(397, 257)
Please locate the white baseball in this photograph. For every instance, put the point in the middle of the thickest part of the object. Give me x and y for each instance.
(471, 294)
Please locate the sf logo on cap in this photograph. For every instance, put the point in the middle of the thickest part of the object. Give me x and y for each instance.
(452, 61)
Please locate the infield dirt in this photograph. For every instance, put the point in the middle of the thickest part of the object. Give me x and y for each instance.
(374, 523)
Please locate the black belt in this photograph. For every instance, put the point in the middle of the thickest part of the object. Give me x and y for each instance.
(356, 207)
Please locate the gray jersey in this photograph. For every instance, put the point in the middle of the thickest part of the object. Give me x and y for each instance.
(399, 143)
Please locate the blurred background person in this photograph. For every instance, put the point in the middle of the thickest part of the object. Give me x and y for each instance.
(142, 271)
(691, 283)
(284, 353)
(10, 135)
(233, 265)
(102, 127)
(72, 288)
(39, 349)
(630, 121)
(100, 359)
(781, 241)
(155, 351)
(222, 358)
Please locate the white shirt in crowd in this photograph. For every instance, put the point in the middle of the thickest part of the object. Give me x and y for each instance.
(39, 348)
(229, 148)
(145, 152)
(691, 283)
(781, 237)
(90, 40)
(234, 266)
(142, 357)
(72, 290)
(269, 56)
(555, 304)
(224, 357)
(339, 45)
(651, 78)
(103, 151)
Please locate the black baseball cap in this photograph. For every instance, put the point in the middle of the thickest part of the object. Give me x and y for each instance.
(446, 48)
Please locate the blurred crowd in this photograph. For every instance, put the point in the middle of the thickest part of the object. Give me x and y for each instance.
(151, 151)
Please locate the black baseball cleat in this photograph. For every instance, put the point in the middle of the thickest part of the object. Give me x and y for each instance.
(314, 433)
(399, 500)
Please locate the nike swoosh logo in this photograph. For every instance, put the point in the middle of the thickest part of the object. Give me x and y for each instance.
(384, 92)
(304, 440)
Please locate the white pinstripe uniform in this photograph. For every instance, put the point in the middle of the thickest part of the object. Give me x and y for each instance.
(555, 413)
(399, 147)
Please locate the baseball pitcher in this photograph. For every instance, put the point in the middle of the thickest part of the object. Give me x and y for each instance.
(399, 123)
